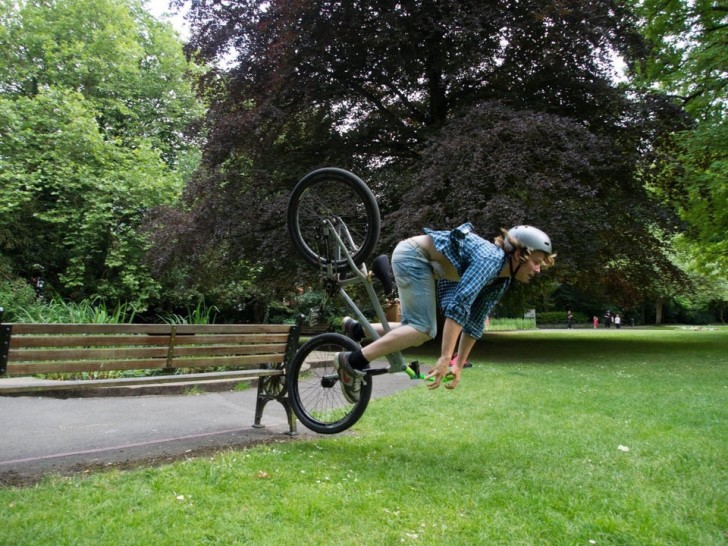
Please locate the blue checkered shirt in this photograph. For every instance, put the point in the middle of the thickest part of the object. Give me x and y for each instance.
(479, 263)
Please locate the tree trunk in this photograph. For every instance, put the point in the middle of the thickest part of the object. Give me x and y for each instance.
(658, 311)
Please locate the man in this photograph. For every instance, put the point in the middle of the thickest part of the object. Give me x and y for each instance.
(468, 275)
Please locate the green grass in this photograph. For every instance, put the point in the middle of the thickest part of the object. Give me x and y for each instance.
(575, 438)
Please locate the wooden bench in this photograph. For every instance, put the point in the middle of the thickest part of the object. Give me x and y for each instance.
(255, 351)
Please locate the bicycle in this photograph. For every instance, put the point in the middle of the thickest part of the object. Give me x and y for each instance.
(333, 220)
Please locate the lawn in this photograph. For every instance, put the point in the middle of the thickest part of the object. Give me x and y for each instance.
(554, 437)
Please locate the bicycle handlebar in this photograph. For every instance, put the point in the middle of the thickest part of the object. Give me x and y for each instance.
(413, 371)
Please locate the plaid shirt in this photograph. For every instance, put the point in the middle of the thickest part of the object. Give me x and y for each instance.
(479, 263)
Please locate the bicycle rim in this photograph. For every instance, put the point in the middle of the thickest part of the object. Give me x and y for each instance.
(314, 390)
(342, 198)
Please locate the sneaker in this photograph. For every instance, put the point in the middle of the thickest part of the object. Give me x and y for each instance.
(454, 361)
(349, 378)
(352, 329)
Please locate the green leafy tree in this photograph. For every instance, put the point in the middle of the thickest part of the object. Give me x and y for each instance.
(94, 102)
(709, 292)
(689, 61)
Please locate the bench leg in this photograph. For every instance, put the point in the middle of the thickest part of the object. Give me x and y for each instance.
(265, 395)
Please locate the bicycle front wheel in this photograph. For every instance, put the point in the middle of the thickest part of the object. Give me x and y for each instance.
(343, 199)
(314, 391)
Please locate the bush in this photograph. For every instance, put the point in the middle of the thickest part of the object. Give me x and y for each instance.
(15, 296)
(559, 317)
(495, 325)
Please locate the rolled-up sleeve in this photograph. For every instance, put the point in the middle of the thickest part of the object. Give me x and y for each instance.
(470, 317)
(452, 306)
(482, 307)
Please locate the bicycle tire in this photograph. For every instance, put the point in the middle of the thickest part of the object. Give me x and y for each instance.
(314, 391)
(333, 194)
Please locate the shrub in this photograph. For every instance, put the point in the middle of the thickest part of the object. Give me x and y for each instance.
(495, 325)
(559, 317)
(16, 295)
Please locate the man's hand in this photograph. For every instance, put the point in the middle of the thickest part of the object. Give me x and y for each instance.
(441, 370)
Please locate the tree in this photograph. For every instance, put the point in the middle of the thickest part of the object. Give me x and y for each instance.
(75, 198)
(94, 101)
(525, 177)
(379, 74)
(709, 293)
(390, 89)
(688, 61)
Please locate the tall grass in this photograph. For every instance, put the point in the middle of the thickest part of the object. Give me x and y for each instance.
(87, 311)
(96, 311)
(553, 438)
(200, 314)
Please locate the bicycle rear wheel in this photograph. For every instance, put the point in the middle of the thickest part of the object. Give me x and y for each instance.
(314, 390)
(345, 200)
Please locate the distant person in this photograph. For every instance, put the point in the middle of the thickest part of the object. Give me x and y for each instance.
(608, 319)
(617, 321)
(595, 320)
(569, 319)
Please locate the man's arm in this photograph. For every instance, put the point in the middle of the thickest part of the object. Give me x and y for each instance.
(465, 346)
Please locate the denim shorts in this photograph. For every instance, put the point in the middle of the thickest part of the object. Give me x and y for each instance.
(416, 285)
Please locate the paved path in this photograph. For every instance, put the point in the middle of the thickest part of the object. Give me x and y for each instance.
(41, 435)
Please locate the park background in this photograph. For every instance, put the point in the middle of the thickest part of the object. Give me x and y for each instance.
(145, 172)
(144, 177)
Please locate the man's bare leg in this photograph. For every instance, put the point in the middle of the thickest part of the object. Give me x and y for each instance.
(395, 340)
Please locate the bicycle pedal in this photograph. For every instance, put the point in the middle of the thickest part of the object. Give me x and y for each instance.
(415, 367)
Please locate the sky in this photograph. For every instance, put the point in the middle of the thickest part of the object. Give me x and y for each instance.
(160, 9)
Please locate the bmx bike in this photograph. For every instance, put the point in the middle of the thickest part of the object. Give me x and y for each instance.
(334, 222)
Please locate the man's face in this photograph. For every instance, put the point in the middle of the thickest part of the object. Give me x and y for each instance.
(531, 266)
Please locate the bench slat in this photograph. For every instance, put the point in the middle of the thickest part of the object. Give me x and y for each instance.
(251, 339)
(45, 355)
(229, 349)
(45, 385)
(87, 354)
(161, 329)
(74, 366)
(21, 342)
(68, 328)
(231, 361)
(233, 328)
(111, 340)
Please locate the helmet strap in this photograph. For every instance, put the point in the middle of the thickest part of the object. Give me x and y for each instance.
(510, 267)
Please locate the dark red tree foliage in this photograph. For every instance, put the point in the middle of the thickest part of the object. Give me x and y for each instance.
(495, 112)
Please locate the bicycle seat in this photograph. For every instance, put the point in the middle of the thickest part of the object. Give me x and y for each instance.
(383, 271)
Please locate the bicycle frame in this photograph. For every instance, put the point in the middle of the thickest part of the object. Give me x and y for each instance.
(364, 277)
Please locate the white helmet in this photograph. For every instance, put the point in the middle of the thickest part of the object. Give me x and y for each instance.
(530, 238)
